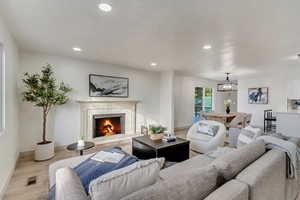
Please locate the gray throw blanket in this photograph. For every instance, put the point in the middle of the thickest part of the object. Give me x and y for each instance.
(291, 149)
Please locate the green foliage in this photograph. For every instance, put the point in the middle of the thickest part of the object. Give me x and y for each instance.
(157, 129)
(43, 90)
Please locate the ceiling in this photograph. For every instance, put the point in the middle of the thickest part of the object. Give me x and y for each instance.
(247, 37)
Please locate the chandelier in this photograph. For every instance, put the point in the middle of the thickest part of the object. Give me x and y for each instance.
(227, 85)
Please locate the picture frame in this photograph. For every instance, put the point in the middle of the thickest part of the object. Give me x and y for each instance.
(259, 95)
(108, 86)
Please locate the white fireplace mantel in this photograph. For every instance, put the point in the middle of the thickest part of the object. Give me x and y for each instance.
(107, 100)
(93, 106)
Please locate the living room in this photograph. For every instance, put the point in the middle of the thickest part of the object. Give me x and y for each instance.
(135, 76)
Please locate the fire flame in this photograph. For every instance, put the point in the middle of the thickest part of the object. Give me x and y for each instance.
(108, 127)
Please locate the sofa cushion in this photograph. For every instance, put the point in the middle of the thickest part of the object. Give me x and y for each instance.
(121, 182)
(68, 186)
(194, 184)
(190, 164)
(232, 190)
(266, 177)
(231, 163)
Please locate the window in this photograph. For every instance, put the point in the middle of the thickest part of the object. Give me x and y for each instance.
(203, 100)
(2, 90)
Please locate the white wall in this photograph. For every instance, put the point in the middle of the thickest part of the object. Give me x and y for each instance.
(288, 124)
(167, 100)
(64, 121)
(222, 96)
(9, 139)
(279, 81)
(184, 91)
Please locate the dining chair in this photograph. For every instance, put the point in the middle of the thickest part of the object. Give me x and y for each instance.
(269, 118)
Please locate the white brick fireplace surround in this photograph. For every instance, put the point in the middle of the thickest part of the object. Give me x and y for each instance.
(89, 108)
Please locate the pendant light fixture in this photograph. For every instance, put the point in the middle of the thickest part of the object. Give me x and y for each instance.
(227, 85)
(105, 5)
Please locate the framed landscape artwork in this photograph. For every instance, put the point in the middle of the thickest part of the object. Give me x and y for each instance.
(108, 86)
(258, 95)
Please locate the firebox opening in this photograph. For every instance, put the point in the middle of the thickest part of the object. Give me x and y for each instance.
(108, 125)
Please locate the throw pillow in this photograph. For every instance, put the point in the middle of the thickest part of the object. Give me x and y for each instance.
(257, 131)
(207, 129)
(122, 182)
(247, 135)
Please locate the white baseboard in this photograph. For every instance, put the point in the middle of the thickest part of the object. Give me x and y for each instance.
(10, 174)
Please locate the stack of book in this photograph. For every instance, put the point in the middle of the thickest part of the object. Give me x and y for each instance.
(169, 138)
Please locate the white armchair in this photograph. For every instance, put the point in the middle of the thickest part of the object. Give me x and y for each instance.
(204, 143)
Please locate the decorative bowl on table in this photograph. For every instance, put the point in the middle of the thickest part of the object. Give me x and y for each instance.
(156, 136)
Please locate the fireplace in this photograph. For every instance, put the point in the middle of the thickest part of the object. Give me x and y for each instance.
(108, 124)
(92, 110)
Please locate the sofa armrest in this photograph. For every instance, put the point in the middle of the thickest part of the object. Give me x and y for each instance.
(232, 190)
(68, 186)
(69, 162)
(266, 177)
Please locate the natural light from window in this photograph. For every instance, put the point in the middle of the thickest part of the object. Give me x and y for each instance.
(203, 100)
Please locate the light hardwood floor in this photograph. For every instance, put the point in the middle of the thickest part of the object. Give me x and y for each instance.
(27, 167)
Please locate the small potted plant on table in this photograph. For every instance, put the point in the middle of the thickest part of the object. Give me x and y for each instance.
(43, 91)
(156, 132)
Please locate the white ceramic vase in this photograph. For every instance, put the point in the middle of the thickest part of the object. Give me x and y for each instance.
(44, 151)
(80, 143)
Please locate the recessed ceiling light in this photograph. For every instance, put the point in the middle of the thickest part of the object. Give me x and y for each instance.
(77, 49)
(206, 47)
(105, 7)
(153, 64)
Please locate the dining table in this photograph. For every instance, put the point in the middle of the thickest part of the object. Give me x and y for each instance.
(220, 116)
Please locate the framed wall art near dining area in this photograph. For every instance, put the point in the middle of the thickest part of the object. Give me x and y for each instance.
(258, 95)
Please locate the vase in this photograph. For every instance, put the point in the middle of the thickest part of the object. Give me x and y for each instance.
(80, 143)
(158, 136)
(227, 110)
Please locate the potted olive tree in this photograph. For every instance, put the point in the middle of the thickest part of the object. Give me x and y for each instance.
(43, 91)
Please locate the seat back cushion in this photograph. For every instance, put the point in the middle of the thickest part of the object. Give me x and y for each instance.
(232, 190)
(195, 184)
(180, 168)
(231, 163)
(124, 181)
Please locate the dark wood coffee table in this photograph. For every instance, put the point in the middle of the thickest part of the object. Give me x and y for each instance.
(75, 147)
(145, 148)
